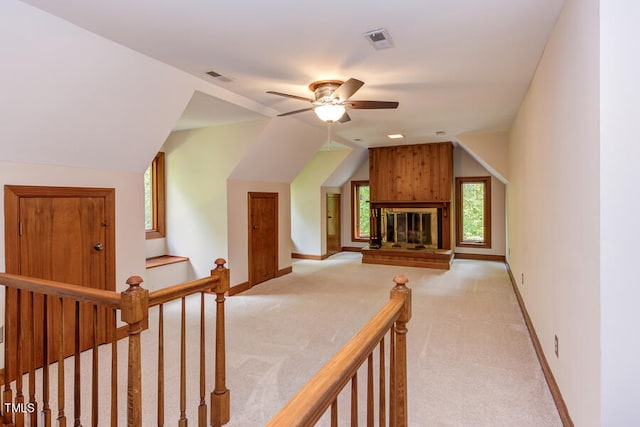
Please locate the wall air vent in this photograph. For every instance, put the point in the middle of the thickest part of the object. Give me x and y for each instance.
(379, 39)
(219, 76)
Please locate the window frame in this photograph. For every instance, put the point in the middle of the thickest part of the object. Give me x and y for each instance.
(355, 211)
(486, 181)
(157, 198)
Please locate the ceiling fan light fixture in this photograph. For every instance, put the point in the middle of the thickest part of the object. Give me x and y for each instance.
(329, 112)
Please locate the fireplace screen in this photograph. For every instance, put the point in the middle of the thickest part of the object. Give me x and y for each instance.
(412, 228)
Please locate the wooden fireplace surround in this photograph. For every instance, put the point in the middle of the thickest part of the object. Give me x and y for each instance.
(419, 175)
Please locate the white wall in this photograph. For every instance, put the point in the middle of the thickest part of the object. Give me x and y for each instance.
(619, 210)
(307, 201)
(466, 166)
(130, 249)
(198, 163)
(70, 97)
(553, 206)
(238, 225)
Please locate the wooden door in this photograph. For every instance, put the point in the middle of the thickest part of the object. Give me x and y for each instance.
(60, 234)
(263, 237)
(333, 224)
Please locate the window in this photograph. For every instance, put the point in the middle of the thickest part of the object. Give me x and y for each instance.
(473, 212)
(154, 198)
(360, 211)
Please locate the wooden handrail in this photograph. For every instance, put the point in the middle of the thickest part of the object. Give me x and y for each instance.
(310, 403)
(171, 293)
(64, 290)
(134, 304)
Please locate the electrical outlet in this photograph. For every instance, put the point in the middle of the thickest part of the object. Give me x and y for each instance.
(556, 345)
(522, 279)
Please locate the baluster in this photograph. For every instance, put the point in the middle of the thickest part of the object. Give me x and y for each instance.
(354, 400)
(62, 418)
(31, 342)
(19, 396)
(46, 410)
(7, 395)
(161, 367)
(220, 396)
(334, 413)
(94, 368)
(202, 408)
(392, 377)
(370, 407)
(76, 369)
(182, 422)
(381, 398)
(135, 309)
(114, 368)
(400, 362)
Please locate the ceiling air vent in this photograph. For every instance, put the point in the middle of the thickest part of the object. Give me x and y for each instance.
(219, 76)
(379, 39)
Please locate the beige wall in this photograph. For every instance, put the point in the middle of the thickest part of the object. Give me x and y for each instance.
(308, 203)
(198, 163)
(490, 149)
(361, 174)
(238, 235)
(554, 207)
(466, 166)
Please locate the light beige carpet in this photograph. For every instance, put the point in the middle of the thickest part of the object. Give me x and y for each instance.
(470, 358)
(471, 361)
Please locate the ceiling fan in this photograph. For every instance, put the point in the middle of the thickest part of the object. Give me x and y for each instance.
(332, 100)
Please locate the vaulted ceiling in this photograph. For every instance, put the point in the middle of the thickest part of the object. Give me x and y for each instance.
(455, 66)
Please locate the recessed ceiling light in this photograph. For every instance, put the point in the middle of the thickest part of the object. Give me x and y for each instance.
(395, 136)
(441, 133)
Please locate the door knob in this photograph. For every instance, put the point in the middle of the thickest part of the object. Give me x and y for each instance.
(98, 247)
(255, 227)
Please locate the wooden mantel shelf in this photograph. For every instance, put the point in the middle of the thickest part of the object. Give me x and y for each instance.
(428, 258)
(159, 261)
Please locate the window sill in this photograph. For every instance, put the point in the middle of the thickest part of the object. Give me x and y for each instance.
(159, 261)
(474, 245)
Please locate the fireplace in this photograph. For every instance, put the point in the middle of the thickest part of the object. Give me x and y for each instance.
(394, 226)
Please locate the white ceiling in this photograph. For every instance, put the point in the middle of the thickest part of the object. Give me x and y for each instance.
(456, 66)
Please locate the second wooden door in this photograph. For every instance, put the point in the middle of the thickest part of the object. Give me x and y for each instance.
(263, 237)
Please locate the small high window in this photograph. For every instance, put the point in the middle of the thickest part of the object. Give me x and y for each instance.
(360, 211)
(473, 212)
(154, 198)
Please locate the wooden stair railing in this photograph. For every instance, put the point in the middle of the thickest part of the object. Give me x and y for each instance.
(62, 304)
(321, 392)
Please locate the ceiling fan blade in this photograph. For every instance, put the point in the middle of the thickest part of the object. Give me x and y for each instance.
(295, 112)
(345, 118)
(347, 89)
(286, 95)
(371, 105)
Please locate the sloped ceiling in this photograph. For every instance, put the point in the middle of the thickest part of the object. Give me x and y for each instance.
(455, 66)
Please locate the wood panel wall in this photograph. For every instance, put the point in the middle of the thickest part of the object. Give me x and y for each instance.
(411, 173)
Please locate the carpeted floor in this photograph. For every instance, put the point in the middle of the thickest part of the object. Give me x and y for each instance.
(470, 358)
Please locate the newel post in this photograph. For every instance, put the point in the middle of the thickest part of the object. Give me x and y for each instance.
(220, 398)
(401, 291)
(135, 310)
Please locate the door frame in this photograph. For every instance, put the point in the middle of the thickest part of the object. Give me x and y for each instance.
(12, 196)
(339, 228)
(250, 196)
